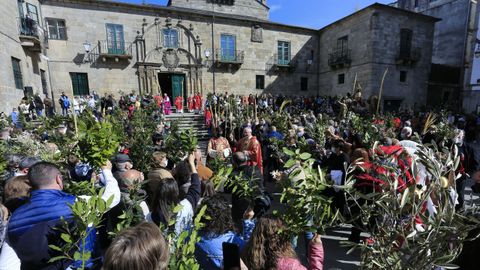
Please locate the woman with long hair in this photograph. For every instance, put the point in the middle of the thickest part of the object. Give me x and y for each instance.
(167, 197)
(138, 248)
(270, 248)
(218, 229)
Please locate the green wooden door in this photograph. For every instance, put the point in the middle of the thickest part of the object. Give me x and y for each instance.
(177, 86)
(80, 84)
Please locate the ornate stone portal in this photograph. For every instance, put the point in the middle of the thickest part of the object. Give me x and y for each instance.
(154, 56)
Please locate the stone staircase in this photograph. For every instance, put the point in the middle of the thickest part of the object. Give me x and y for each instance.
(194, 121)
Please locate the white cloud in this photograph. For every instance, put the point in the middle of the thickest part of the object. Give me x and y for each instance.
(274, 8)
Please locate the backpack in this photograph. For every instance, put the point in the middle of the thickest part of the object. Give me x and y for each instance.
(66, 102)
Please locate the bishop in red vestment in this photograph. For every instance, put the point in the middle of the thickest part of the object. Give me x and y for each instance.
(251, 147)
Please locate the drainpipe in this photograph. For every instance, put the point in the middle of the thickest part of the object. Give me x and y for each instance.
(464, 54)
(51, 86)
(213, 46)
(48, 60)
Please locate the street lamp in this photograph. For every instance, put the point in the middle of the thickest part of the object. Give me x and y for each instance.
(477, 51)
(207, 54)
(87, 46)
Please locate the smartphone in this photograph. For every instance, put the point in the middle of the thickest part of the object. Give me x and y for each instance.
(231, 256)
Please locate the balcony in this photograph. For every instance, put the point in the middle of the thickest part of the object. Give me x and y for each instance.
(229, 57)
(408, 57)
(280, 64)
(30, 34)
(339, 58)
(118, 50)
(107, 51)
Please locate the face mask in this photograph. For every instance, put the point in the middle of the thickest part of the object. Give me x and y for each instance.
(164, 163)
(334, 150)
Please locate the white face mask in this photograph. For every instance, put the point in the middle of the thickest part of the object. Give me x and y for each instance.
(164, 163)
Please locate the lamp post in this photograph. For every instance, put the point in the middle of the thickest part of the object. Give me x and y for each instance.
(87, 46)
(477, 51)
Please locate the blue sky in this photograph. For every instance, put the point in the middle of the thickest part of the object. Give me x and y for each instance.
(308, 13)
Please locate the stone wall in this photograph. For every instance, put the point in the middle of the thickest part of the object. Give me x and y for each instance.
(30, 63)
(374, 42)
(250, 8)
(110, 77)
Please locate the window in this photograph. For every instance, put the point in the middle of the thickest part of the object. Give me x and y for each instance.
(403, 76)
(341, 78)
(44, 81)
(405, 42)
(56, 29)
(304, 84)
(170, 38)
(80, 84)
(342, 45)
(415, 4)
(223, 2)
(115, 42)
(283, 53)
(260, 82)
(17, 73)
(32, 12)
(228, 47)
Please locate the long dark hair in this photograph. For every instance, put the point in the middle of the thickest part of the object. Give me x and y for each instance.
(165, 199)
(218, 216)
(268, 244)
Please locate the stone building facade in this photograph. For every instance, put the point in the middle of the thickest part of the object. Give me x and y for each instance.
(453, 48)
(202, 46)
(21, 46)
(364, 46)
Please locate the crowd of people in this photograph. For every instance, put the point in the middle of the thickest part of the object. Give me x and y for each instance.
(246, 132)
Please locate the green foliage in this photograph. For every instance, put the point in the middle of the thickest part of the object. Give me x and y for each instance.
(366, 127)
(97, 142)
(133, 214)
(27, 143)
(81, 188)
(399, 240)
(306, 206)
(245, 186)
(143, 126)
(87, 215)
(221, 176)
(183, 247)
(217, 163)
(3, 152)
(180, 143)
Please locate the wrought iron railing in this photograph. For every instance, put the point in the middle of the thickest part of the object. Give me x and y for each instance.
(413, 55)
(340, 57)
(119, 48)
(27, 27)
(229, 56)
(281, 61)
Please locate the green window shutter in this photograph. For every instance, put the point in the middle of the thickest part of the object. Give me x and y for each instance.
(228, 47)
(80, 84)
(115, 39)
(17, 73)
